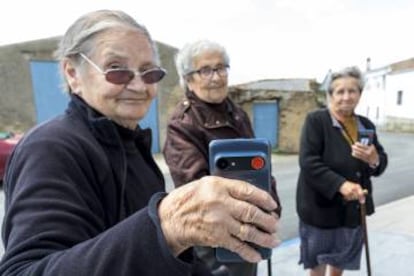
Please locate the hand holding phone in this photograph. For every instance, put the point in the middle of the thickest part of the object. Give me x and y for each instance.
(243, 159)
(366, 136)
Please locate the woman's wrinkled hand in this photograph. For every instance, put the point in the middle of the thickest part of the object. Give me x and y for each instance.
(219, 212)
(353, 191)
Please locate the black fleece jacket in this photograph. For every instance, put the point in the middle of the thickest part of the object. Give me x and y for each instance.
(68, 209)
(325, 164)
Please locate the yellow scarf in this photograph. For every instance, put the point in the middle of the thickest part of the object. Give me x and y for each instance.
(350, 129)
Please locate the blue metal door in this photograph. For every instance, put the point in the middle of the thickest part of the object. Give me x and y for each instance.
(151, 121)
(50, 99)
(266, 121)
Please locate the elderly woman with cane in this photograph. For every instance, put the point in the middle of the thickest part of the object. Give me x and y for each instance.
(339, 152)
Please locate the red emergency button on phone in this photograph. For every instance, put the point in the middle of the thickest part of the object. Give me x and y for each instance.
(257, 163)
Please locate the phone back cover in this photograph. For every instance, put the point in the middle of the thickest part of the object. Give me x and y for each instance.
(242, 147)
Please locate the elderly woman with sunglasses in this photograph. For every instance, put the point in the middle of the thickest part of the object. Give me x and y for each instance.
(83, 193)
(206, 113)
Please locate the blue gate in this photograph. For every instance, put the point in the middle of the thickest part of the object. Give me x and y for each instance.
(151, 120)
(266, 121)
(50, 100)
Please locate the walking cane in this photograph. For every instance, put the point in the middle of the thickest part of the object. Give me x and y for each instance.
(365, 233)
(269, 267)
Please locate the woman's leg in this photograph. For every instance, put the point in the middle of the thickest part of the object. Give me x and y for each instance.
(318, 270)
(334, 271)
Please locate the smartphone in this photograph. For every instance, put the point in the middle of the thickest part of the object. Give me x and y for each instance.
(366, 136)
(244, 159)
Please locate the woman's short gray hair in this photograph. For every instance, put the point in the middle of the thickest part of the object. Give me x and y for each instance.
(352, 72)
(185, 57)
(79, 38)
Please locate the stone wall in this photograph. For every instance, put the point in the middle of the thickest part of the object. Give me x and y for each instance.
(293, 108)
(293, 111)
(396, 124)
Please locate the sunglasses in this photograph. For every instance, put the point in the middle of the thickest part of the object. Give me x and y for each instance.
(125, 75)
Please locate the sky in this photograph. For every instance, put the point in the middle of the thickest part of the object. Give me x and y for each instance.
(265, 39)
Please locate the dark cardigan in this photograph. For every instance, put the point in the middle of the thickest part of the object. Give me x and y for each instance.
(325, 164)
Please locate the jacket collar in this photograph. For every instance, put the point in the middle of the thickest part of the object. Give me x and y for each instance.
(212, 115)
(104, 129)
(337, 124)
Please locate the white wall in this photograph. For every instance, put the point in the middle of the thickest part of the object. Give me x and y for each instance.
(400, 82)
(379, 98)
(373, 100)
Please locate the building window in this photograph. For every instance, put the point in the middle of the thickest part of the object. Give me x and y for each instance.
(399, 97)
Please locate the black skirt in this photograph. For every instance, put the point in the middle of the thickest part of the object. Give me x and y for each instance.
(340, 247)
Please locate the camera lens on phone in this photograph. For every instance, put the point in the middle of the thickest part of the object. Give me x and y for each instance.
(222, 163)
(257, 163)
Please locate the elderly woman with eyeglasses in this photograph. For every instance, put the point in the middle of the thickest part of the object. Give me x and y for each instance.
(336, 167)
(206, 113)
(83, 193)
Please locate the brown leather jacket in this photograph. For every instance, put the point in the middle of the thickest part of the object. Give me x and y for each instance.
(190, 129)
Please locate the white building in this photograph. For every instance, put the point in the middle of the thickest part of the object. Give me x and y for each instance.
(388, 96)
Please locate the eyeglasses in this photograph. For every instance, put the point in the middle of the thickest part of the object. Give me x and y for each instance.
(207, 72)
(125, 75)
